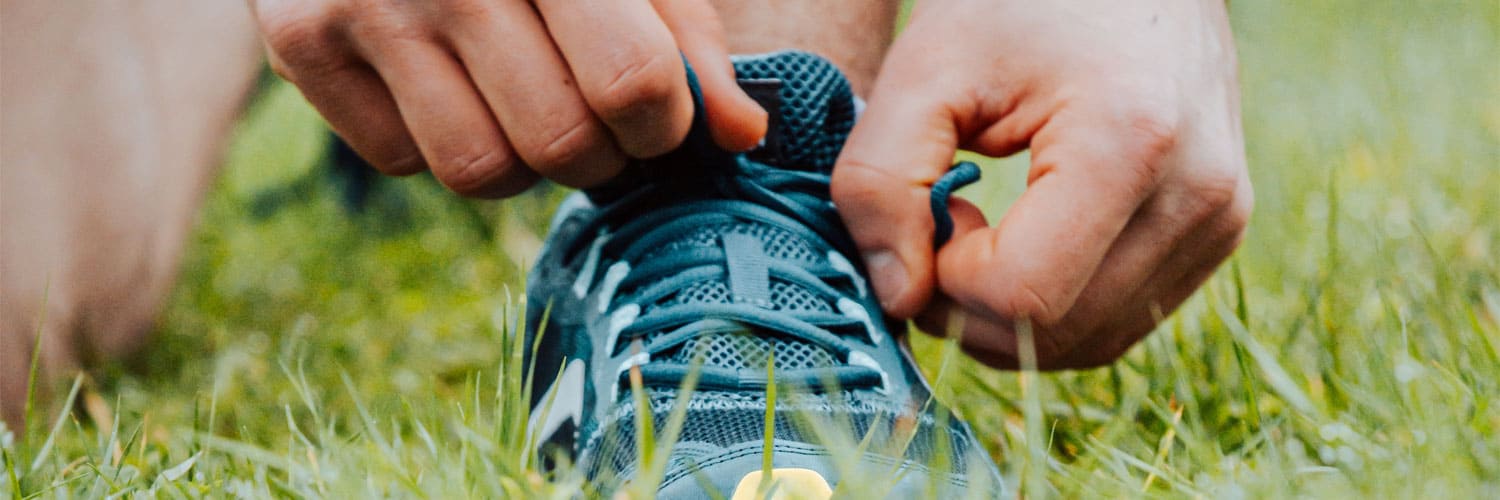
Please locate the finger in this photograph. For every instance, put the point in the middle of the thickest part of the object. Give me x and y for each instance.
(1111, 293)
(904, 141)
(941, 316)
(451, 123)
(532, 94)
(305, 47)
(1156, 264)
(1089, 176)
(735, 120)
(1190, 262)
(1177, 230)
(628, 69)
(966, 216)
(1162, 294)
(986, 340)
(360, 109)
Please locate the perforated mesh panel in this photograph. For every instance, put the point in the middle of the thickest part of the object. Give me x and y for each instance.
(817, 106)
(748, 351)
(784, 296)
(788, 297)
(717, 420)
(816, 113)
(707, 292)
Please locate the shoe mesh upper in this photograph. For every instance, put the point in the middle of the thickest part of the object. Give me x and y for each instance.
(717, 420)
(747, 350)
(817, 107)
(816, 113)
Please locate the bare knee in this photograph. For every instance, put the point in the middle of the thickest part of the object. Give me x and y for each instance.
(106, 156)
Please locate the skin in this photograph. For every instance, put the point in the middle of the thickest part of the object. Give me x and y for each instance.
(115, 114)
(853, 34)
(491, 95)
(115, 117)
(1137, 191)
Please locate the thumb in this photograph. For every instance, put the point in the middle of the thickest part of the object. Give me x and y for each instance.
(883, 180)
(735, 120)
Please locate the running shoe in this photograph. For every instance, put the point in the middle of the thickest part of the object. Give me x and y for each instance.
(704, 291)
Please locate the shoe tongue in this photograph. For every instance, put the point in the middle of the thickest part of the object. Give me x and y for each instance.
(810, 105)
(750, 349)
(811, 110)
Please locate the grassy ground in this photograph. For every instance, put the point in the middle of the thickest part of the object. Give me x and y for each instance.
(1351, 348)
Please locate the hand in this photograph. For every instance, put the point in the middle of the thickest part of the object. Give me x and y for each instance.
(492, 94)
(1137, 188)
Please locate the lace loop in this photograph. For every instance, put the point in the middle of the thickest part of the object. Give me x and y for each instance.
(792, 202)
(962, 174)
(788, 202)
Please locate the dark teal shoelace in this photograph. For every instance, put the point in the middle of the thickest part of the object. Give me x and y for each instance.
(670, 203)
(793, 202)
(962, 174)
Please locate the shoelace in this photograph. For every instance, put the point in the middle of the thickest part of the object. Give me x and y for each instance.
(793, 201)
(797, 202)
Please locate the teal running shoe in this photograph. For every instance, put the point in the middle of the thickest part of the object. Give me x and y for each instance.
(731, 271)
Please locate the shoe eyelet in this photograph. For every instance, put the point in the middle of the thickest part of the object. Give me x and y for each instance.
(852, 309)
(638, 359)
(618, 321)
(590, 266)
(857, 358)
(842, 264)
(611, 283)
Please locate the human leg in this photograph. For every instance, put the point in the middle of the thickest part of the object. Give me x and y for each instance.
(115, 114)
(854, 35)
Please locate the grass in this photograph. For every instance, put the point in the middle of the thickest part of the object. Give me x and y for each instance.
(1351, 348)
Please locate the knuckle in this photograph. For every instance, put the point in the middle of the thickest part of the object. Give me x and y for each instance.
(460, 11)
(1223, 201)
(300, 37)
(1216, 188)
(1149, 136)
(402, 165)
(1024, 302)
(856, 183)
(1152, 131)
(562, 147)
(378, 24)
(640, 85)
(474, 173)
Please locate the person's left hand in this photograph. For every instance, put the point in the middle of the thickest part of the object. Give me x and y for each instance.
(1137, 190)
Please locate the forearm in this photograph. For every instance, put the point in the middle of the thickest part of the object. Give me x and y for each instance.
(854, 35)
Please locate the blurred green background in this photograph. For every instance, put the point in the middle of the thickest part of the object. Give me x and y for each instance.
(1351, 348)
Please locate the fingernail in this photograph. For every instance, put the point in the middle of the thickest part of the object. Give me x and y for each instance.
(888, 274)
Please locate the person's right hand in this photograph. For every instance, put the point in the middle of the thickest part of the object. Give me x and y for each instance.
(491, 94)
